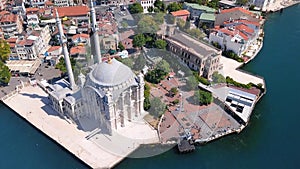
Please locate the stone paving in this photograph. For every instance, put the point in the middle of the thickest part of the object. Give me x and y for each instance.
(42, 116)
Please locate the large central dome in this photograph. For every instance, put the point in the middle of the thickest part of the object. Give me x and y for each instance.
(111, 73)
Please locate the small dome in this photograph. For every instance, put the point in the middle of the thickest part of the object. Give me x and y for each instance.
(111, 73)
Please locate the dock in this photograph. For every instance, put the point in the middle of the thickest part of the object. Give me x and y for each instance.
(185, 146)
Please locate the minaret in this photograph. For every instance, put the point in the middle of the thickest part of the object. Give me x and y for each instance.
(63, 42)
(94, 34)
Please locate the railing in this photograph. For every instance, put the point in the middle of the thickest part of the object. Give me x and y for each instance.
(16, 91)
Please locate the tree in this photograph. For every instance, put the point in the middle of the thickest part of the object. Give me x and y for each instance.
(174, 7)
(121, 46)
(187, 25)
(163, 66)
(196, 33)
(159, 18)
(213, 4)
(157, 108)
(241, 2)
(147, 25)
(173, 91)
(147, 97)
(218, 78)
(150, 9)
(139, 40)
(180, 23)
(4, 74)
(136, 8)
(4, 50)
(128, 62)
(160, 5)
(203, 97)
(61, 65)
(160, 44)
(191, 83)
(139, 63)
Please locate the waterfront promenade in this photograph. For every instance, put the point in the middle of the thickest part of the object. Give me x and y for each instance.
(31, 104)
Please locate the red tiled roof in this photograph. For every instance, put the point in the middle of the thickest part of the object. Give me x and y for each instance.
(81, 35)
(247, 22)
(226, 31)
(9, 18)
(49, 3)
(244, 36)
(11, 40)
(32, 10)
(72, 11)
(77, 50)
(180, 13)
(54, 48)
(245, 28)
(236, 9)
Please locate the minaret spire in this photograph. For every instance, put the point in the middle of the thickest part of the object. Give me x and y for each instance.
(63, 42)
(94, 34)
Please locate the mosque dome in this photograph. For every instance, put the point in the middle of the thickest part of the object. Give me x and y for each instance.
(111, 73)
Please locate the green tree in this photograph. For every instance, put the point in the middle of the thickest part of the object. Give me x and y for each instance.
(128, 62)
(174, 7)
(61, 65)
(242, 2)
(191, 83)
(147, 25)
(139, 40)
(4, 50)
(218, 78)
(139, 63)
(160, 5)
(213, 4)
(150, 9)
(203, 97)
(147, 104)
(173, 91)
(159, 18)
(121, 46)
(180, 23)
(163, 66)
(136, 8)
(187, 25)
(158, 108)
(196, 33)
(160, 44)
(4, 74)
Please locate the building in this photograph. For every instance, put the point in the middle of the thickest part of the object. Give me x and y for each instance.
(54, 51)
(78, 14)
(2, 4)
(108, 43)
(26, 49)
(181, 14)
(78, 52)
(111, 96)
(207, 19)
(41, 37)
(12, 45)
(146, 4)
(236, 35)
(196, 10)
(11, 24)
(63, 3)
(236, 14)
(32, 17)
(81, 39)
(37, 3)
(196, 55)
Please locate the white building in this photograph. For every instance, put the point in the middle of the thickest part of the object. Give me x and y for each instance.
(36, 3)
(237, 35)
(26, 49)
(110, 97)
(146, 4)
(63, 3)
(11, 24)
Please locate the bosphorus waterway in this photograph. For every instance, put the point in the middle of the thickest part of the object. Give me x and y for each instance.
(271, 139)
